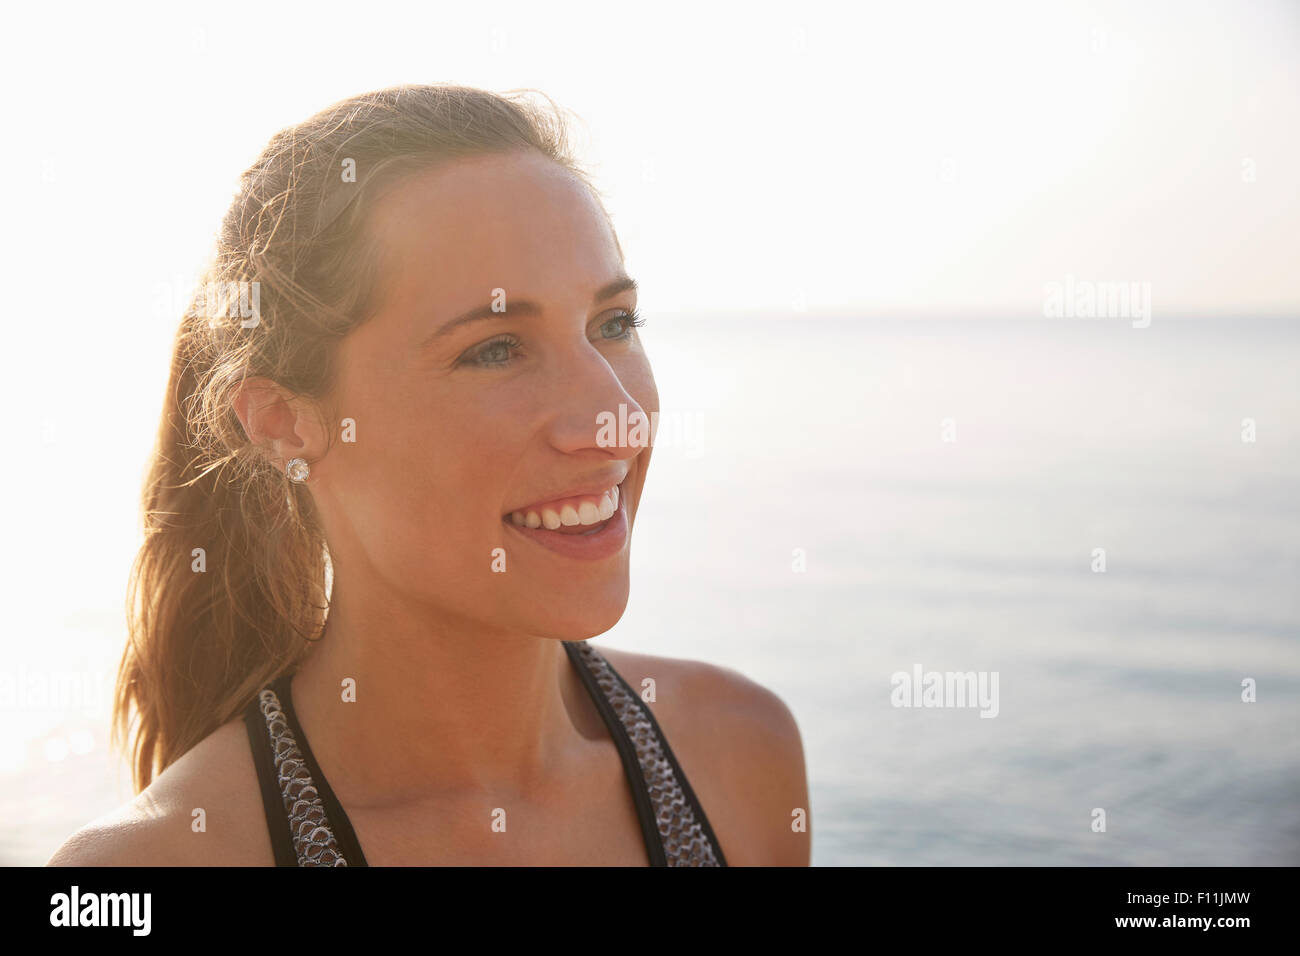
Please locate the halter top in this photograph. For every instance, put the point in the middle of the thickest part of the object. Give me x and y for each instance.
(309, 827)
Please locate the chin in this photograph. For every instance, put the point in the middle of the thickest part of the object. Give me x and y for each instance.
(577, 616)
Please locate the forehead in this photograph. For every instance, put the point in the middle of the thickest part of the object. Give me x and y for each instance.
(519, 222)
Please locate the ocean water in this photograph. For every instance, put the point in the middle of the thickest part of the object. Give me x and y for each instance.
(834, 500)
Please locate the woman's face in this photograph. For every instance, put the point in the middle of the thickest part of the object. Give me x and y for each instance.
(458, 424)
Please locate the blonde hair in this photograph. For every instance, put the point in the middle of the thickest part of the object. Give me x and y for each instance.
(200, 645)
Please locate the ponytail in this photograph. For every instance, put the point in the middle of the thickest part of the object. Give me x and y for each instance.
(225, 593)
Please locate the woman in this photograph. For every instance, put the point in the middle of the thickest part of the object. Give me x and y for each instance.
(387, 403)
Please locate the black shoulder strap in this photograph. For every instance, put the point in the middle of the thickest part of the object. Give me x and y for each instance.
(277, 820)
(627, 752)
(338, 821)
(700, 816)
(680, 829)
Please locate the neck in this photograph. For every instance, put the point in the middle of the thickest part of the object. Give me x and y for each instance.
(443, 707)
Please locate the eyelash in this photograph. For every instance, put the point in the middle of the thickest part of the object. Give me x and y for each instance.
(631, 320)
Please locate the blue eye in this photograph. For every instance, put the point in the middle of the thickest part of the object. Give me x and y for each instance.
(493, 353)
(498, 352)
(629, 320)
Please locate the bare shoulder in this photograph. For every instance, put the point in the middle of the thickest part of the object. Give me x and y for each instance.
(163, 825)
(740, 748)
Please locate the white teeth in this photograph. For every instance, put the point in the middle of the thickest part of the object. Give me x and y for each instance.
(589, 512)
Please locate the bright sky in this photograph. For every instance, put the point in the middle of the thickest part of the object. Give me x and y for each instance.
(864, 158)
(839, 155)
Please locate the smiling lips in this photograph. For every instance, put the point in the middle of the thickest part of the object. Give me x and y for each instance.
(574, 515)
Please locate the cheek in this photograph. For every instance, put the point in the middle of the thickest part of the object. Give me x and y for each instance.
(420, 488)
(449, 477)
(431, 522)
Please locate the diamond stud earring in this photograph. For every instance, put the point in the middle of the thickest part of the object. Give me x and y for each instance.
(297, 469)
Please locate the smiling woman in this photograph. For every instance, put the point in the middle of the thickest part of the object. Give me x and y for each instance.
(380, 528)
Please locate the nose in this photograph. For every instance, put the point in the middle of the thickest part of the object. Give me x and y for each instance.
(594, 405)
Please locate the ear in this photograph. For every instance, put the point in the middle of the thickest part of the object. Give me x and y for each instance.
(281, 424)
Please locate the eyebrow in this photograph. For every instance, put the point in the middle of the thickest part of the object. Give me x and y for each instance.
(522, 307)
